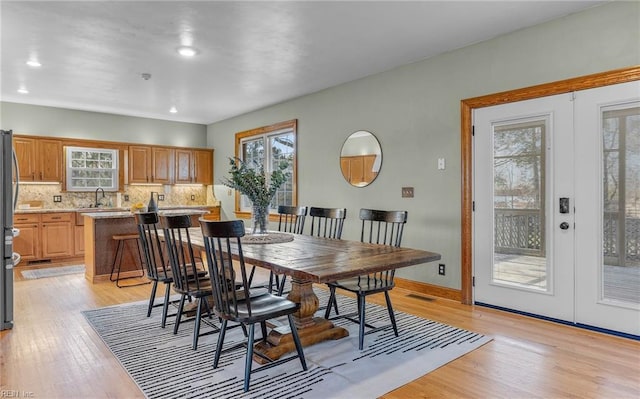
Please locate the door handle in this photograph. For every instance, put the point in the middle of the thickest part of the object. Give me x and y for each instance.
(564, 225)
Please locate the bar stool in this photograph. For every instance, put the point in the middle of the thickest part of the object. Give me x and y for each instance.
(122, 239)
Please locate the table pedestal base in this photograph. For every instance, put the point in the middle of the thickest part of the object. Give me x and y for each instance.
(280, 341)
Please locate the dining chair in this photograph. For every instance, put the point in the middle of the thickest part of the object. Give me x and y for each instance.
(158, 270)
(378, 227)
(290, 220)
(327, 222)
(235, 303)
(184, 266)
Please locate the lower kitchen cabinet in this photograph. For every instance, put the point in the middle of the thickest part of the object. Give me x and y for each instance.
(45, 236)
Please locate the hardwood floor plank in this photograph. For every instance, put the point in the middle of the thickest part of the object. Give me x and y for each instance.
(53, 352)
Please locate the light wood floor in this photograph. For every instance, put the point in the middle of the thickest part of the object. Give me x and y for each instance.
(53, 353)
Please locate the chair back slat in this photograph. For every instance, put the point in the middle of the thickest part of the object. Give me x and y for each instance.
(185, 266)
(291, 218)
(386, 228)
(152, 248)
(327, 222)
(220, 239)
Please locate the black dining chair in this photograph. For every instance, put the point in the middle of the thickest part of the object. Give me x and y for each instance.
(327, 222)
(378, 227)
(290, 220)
(158, 270)
(235, 303)
(184, 266)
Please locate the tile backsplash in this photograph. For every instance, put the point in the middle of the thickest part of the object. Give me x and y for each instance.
(176, 195)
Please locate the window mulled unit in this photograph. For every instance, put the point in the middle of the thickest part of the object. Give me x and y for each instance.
(90, 168)
(268, 146)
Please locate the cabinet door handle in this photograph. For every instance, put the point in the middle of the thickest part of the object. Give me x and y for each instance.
(40, 175)
(56, 218)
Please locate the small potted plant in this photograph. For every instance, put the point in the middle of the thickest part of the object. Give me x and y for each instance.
(251, 180)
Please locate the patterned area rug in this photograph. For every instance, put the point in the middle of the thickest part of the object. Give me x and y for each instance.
(163, 365)
(52, 271)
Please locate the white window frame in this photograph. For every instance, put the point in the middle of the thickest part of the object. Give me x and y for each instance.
(113, 181)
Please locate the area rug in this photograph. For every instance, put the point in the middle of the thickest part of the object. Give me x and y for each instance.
(52, 271)
(163, 365)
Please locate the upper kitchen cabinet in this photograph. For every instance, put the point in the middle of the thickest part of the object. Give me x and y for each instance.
(194, 166)
(203, 166)
(150, 164)
(39, 159)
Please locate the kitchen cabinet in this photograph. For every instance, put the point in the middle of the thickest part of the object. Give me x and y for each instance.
(184, 166)
(194, 166)
(27, 244)
(148, 164)
(203, 166)
(78, 234)
(44, 236)
(39, 159)
(57, 235)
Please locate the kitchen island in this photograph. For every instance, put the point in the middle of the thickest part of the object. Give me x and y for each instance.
(100, 248)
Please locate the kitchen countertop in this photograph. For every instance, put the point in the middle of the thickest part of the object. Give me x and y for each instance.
(106, 210)
(128, 214)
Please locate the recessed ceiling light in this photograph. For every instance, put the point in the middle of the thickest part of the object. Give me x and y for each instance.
(187, 51)
(173, 110)
(22, 90)
(34, 63)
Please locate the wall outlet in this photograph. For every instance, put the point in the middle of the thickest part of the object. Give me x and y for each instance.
(126, 197)
(57, 198)
(160, 197)
(441, 269)
(407, 192)
(193, 197)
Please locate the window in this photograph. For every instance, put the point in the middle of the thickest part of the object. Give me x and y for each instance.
(268, 146)
(90, 168)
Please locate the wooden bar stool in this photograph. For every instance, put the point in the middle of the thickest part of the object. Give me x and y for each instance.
(122, 239)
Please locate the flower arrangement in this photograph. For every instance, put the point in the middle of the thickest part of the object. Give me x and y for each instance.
(251, 180)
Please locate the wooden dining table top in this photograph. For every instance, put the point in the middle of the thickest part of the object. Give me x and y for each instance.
(321, 260)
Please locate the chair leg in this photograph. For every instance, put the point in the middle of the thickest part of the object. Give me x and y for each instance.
(263, 328)
(281, 285)
(253, 270)
(332, 298)
(223, 330)
(391, 315)
(165, 305)
(152, 298)
(249, 359)
(296, 340)
(196, 327)
(361, 311)
(179, 314)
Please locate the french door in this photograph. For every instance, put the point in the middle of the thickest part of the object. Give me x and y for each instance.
(557, 207)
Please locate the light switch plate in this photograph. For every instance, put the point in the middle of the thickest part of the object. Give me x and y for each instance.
(407, 192)
(57, 198)
(441, 164)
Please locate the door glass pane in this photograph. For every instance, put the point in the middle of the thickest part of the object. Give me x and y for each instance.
(518, 201)
(621, 203)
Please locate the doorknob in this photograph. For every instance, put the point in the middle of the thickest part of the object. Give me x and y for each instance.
(564, 225)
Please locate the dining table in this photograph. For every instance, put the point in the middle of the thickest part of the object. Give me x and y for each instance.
(309, 260)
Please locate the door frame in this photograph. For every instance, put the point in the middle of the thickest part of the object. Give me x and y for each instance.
(466, 132)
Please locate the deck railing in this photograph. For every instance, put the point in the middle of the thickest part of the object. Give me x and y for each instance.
(519, 231)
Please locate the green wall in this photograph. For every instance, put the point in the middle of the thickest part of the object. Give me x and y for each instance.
(60, 122)
(414, 111)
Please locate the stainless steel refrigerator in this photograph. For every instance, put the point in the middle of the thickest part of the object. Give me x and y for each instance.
(9, 185)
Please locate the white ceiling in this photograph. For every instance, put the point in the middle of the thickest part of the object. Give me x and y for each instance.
(251, 54)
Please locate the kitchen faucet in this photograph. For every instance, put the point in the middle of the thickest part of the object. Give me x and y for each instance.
(97, 204)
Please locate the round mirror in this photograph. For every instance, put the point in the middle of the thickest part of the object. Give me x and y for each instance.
(360, 158)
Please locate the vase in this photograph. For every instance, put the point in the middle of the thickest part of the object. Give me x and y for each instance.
(260, 215)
